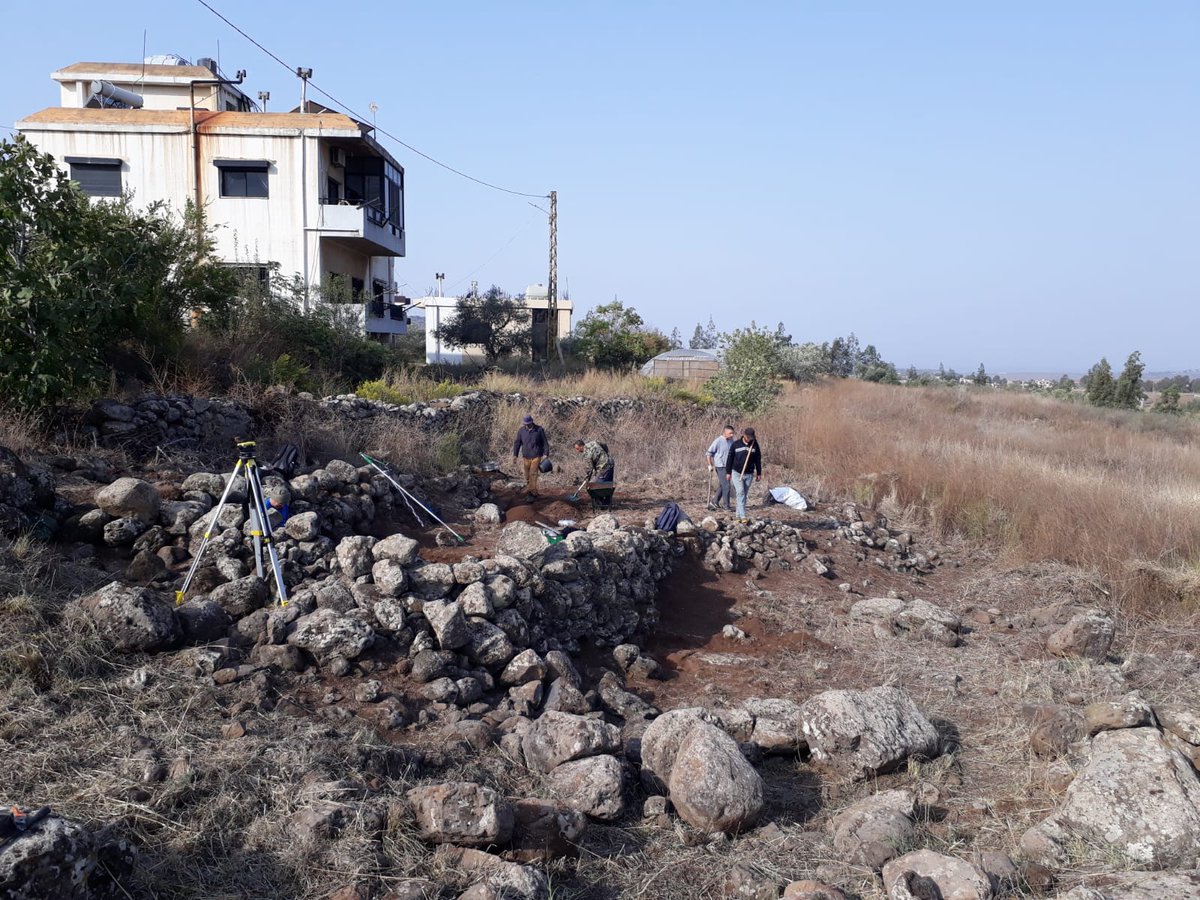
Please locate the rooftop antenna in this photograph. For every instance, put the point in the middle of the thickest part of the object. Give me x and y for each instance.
(374, 108)
(303, 74)
(263, 97)
(440, 278)
(143, 81)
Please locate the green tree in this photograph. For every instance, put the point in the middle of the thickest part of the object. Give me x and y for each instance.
(492, 320)
(676, 339)
(705, 337)
(1128, 393)
(1100, 388)
(807, 361)
(843, 356)
(753, 363)
(1168, 401)
(614, 337)
(981, 376)
(80, 280)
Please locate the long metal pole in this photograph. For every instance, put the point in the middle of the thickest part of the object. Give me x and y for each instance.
(400, 488)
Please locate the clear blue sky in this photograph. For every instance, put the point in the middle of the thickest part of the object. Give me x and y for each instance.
(1015, 183)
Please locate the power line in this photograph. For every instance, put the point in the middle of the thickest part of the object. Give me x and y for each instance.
(492, 258)
(363, 118)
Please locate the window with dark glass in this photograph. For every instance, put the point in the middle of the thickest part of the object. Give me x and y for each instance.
(96, 176)
(243, 178)
(333, 191)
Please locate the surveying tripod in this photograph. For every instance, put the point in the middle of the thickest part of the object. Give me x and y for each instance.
(260, 522)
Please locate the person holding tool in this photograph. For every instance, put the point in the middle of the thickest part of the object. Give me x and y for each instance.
(599, 463)
(744, 467)
(531, 445)
(718, 458)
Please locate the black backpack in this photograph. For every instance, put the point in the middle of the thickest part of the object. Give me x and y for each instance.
(287, 461)
(670, 517)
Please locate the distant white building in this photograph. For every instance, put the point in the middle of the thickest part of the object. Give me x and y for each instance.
(440, 311)
(307, 193)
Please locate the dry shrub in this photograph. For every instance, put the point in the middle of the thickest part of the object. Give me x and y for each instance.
(21, 432)
(1044, 479)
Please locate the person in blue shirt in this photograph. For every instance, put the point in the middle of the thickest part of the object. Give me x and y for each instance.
(718, 456)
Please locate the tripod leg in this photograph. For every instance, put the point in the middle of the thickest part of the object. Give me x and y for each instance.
(212, 524)
(268, 537)
(256, 532)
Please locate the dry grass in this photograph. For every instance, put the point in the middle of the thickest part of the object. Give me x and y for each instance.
(595, 383)
(1115, 493)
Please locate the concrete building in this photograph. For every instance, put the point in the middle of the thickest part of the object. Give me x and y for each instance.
(304, 193)
(441, 310)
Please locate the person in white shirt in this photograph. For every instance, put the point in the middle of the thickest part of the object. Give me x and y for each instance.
(718, 458)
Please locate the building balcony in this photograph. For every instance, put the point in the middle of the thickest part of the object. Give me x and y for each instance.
(361, 228)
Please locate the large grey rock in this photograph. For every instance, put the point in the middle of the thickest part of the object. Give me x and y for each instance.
(202, 620)
(130, 497)
(1134, 796)
(449, 625)
(661, 741)
(861, 733)
(489, 646)
(1087, 634)
(241, 597)
(123, 531)
(511, 881)
(522, 540)
(390, 577)
(461, 812)
(917, 875)
(431, 580)
(487, 514)
(327, 634)
(58, 859)
(305, 526)
(180, 515)
(399, 547)
(1140, 886)
(546, 830)
(526, 666)
(777, 725)
(132, 619)
(556, 738)
(712, 786)
(594, 786)
(872, 831)
(354, 555)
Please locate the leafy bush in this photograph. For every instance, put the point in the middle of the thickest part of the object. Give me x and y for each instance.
(82, 281)
(749, 380)
(381, 391)
(613, 337)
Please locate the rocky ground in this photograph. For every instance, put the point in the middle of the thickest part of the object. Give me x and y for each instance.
(819, 704)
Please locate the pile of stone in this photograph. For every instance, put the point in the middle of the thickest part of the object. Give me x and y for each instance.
(160, 420)
(729, 546)
(27, 500)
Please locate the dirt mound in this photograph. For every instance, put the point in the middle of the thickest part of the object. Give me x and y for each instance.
(544, 509)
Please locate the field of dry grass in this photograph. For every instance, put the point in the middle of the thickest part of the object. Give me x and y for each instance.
(1118, 493)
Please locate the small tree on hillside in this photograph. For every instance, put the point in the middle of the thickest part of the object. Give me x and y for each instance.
(1100, 389)
(1128, 393)
(753, 365)
(981, 376)
(676, 339)
(1168, 401)
(492, 320)
(613, 337)
(705, 337)
(806, 362)
(843, 356)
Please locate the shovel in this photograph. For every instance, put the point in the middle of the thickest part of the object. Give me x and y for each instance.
(573, 498)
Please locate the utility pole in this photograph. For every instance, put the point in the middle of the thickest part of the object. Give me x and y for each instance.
(552, 286)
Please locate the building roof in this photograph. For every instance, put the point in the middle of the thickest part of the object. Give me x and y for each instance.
(82, 71)
(139, 119)
(689, 353)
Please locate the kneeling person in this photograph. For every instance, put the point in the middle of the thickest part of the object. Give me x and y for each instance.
(599, 463)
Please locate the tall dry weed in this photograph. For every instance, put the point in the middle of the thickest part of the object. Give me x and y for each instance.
(1046, 480)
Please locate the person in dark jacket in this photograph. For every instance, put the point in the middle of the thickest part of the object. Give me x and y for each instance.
(743, 468)
(530, 446)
